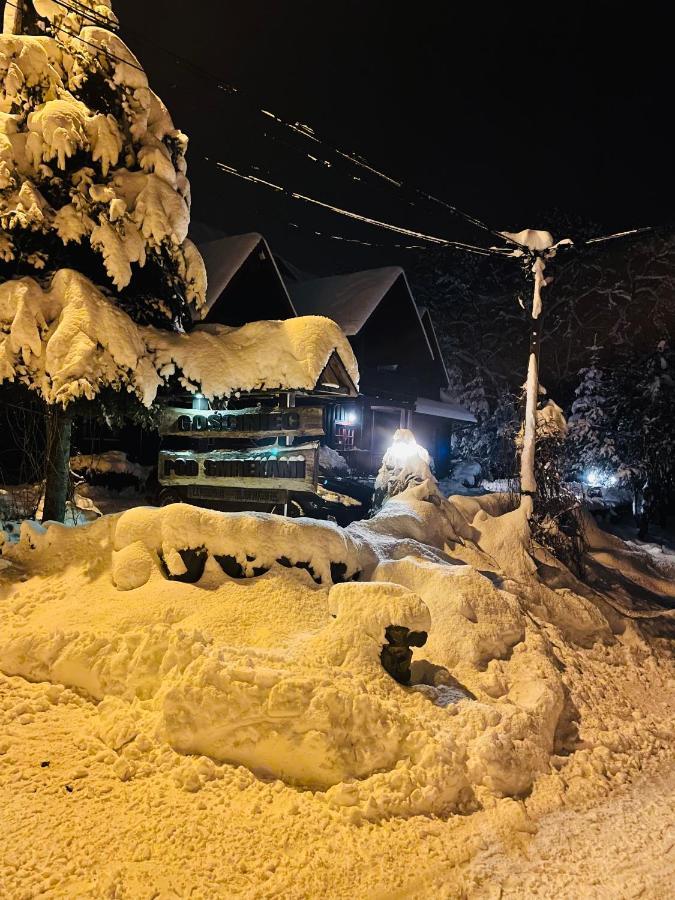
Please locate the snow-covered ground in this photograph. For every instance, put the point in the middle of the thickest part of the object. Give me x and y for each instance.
(238, 736)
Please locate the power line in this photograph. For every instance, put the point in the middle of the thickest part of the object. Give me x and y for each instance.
(294, 194)
(96, 47)
(367, 220)
(308, 133)
(101, 50)
(86, 13)
(621, 234)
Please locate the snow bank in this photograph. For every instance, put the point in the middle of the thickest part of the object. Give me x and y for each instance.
(251, 542)
(281, 674)
(332, 461)
(69, 341)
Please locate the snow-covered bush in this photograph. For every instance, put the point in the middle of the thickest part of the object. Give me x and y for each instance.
(332, 461)
(404, 464)
(555, 521)
(112, 468)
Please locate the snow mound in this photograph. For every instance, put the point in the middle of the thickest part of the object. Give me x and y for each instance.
(269, 669)
(332, 461)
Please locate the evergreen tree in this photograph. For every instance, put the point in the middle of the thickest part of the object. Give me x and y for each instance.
(591, 431)
(491, 441)
(656, 391)
(92, 179)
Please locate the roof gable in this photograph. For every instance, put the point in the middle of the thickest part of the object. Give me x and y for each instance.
(432, 337)
(243, 280)
(348, 299)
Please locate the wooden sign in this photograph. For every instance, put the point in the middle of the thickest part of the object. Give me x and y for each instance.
(254, 422)
(269, 468)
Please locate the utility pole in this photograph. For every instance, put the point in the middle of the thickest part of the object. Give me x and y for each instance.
(539, 247)
(13, 17)
(528, 482)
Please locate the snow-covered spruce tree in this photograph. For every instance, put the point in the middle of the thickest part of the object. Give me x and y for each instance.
(94, 200)
(491, 441)
(591, 428)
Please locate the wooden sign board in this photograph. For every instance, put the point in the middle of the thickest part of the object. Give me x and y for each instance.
(254, 422)
(277, 468)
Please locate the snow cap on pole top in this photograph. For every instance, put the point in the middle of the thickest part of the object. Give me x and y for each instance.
(533, 240)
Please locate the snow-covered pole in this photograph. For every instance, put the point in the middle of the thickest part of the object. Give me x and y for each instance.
(538, 246)
(528, 482)
(12, 18)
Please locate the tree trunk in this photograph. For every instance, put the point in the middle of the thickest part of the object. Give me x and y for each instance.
(58, 465)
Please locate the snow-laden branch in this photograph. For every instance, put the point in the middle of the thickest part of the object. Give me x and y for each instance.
(68, 341)
(89, 154)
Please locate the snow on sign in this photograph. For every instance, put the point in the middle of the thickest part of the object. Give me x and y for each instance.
(252, 422)
(266, 468)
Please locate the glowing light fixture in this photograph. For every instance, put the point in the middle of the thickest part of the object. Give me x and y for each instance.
(199, 401)
(598, 478)
(404, 449)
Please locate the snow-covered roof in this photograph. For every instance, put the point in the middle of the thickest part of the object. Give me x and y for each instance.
(226, 256)
(443, 409)
(223, 259)
(69, 341)
(290, 354)
(348, 299)
(432, 337)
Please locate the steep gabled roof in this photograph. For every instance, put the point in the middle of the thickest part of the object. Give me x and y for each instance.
(432, 337)
(350, 299)
(225, 259)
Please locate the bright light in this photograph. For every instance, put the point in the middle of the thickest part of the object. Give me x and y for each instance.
(351, 418)
(598, 478)
(402, 451)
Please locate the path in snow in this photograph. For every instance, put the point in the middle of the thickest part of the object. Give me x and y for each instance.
(623, 847)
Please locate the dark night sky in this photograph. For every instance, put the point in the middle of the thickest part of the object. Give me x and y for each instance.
(513, 112)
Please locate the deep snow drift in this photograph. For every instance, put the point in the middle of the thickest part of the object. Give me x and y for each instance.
(260, 685)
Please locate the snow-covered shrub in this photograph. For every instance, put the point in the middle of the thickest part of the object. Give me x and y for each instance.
(555, 522)
(112, 468)
(404, 464)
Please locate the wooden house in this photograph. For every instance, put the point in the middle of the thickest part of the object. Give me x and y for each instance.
(403, 378)
(403, 375)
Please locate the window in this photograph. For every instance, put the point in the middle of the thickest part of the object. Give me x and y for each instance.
(344, 437)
